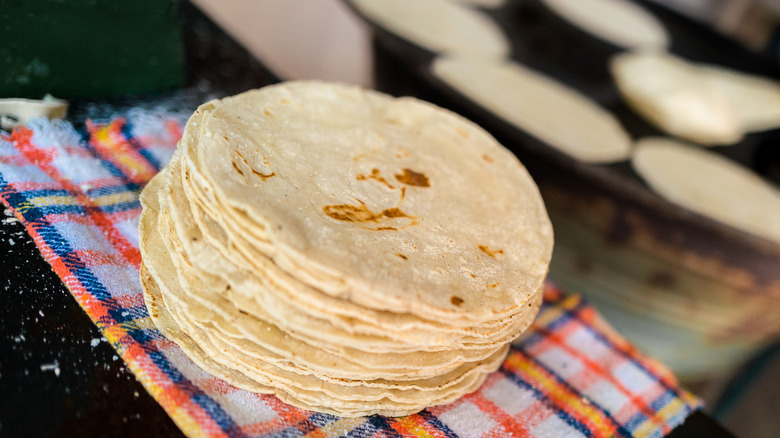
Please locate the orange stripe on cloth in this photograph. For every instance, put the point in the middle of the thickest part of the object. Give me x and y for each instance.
(416, 426)
(640, 404)
(564, 399)
(590, 317)
(112, 145)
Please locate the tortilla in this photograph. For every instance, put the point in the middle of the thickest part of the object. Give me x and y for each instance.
(622, 23)
(754, 99)
(673, 95)
(558, 115)
(710, 185)
(441, 26)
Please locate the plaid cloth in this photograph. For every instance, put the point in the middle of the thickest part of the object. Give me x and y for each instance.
(76, 192)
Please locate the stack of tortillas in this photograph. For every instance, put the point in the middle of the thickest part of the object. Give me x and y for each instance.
(349, 252)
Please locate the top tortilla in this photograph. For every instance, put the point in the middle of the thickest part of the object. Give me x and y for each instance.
(393, 204)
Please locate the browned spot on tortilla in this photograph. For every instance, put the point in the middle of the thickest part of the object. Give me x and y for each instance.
(461, 132)
(262, 176)
(456, 300)
(487, 158)
(402, 256)
(267, 113)
(235, 166)
(492, 286)
(225, 137)
(243, 312)
(472, 275)
(376, 176)
(403, 194)
(362, 214)
(490, 252)
(412, 178)
(401, 154)
(285, 101)
(394, 213)
(385, 229)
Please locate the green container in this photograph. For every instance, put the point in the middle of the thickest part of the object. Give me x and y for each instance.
(89, 48)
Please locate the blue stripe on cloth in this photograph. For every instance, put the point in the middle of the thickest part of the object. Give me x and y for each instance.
(16, 199)
(109, 166)
(383, 424)
(575, 314)
(571, 421)
(121, 206)
(213, 409)
(45, 192)
(635, 421)
(531, 338)
(321, 420)
(304, 427)
(363, 430)
(148, 156)
(127, 132)
(437, 424)
(126, 314)
(662, 400)
(60, 209)
(108, 190)
(145, 338)
(142, 335)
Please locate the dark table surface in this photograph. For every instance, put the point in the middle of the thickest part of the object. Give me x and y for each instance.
(58, 375)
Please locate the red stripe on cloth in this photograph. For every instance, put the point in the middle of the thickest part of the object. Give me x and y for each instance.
(92, 258)
(507, 422)
(589, 317)
(170, 396)
(112, 146)
(599, 370)
(15, 160)
(125, 215)
(287, 416)
(56, 218)
(131, 300)
(551, 293)
(28, 186)
(562, 398)
(168, 139)
(216, 385)
(21, 138)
